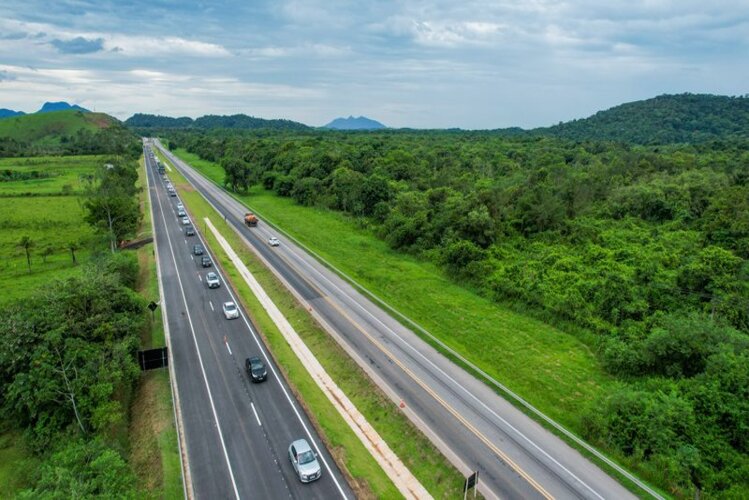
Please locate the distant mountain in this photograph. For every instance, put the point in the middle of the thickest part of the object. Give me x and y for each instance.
(5, 113)
(682, 118)
(244, 122)
(351, 123)
(60, 106)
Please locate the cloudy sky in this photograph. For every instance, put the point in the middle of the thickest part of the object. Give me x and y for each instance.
(435, 63)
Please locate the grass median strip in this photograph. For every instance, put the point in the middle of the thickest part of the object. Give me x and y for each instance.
(406, 483)
(429, 466)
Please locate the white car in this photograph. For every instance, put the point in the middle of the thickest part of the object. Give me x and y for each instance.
(273, 241)
(180, 206)
(213, 282)
(181, 212)
(185, 221)
(230, 310)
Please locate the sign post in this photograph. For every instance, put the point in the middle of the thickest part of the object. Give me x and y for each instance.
(472, 481)
(152, 306)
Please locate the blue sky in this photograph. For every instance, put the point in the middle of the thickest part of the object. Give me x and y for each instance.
(428, 64)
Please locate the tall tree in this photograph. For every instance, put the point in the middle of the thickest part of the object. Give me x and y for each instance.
(27, 244)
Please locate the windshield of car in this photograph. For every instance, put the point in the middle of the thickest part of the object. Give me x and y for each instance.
(306, 457)
(256, 364)
(230, 306)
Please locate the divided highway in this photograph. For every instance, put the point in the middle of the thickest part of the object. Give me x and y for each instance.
(473, 426)
(236, 432)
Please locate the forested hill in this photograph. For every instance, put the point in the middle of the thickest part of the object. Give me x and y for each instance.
(244, 122)
(64, 132)
(666, 119)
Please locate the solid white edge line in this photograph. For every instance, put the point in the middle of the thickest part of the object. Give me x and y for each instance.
(276, 375)
(200, 358)
(184, 466)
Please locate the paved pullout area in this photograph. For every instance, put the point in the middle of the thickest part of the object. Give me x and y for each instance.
(472, 425)
(236, 433)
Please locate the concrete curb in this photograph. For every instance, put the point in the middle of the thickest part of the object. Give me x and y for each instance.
(406, 483)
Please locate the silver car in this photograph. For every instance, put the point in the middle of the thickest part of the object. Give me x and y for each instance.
(185, 221)
(212, 280)
(230, 310)
(304, 461)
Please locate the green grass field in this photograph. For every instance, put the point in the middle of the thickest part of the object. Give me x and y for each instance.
(47, 128)
(37, 209)
(66, 174)
(412, 447)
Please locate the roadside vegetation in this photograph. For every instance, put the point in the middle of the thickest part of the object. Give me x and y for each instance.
(70, 324)
(414, 449)
(638, 255)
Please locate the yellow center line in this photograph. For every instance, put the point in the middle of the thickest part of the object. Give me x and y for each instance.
(421, 383)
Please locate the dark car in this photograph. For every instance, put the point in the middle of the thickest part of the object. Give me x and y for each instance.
(256, 369)
(205, 261)
(197, 250)
(189, 231)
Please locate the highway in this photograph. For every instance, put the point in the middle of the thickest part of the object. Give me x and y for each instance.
(472, 425)
(236, 433)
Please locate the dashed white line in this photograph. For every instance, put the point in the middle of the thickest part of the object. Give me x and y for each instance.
(228, 348)
(255, 412)
(192, 257)
(211, 304)
(200, 278)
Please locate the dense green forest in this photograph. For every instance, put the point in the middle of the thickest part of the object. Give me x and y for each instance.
(666, 119)
(145, 121)
(645, 247)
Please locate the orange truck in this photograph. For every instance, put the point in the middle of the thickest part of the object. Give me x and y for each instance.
(250, 219)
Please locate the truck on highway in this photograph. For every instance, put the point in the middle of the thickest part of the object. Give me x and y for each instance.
(250, 219)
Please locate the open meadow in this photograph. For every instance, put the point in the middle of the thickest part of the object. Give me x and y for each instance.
(42, 201)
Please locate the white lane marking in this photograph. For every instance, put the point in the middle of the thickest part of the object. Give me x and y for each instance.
(200, 358)
(256, 415)
(185, 241)
(227, 347)
(211, 304)
(193, 258)
(200, 278)
(278, 378)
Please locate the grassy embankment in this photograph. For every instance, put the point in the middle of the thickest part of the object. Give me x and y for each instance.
(47, 129)
(154, 454)
(418, 454)
(556, 371)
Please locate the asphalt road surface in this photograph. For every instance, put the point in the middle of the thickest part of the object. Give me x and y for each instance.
(472, 425)
(237, 432)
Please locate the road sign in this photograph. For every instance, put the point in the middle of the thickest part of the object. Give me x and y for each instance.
(152, 306)
(472, 481)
